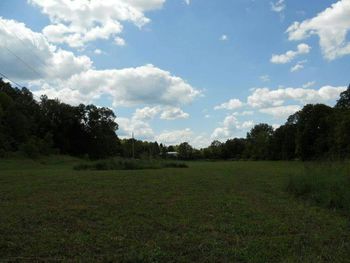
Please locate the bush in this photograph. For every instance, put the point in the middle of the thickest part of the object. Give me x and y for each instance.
(327, 186)
(30, 148)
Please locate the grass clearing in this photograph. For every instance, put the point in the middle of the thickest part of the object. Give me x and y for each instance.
(210, 212)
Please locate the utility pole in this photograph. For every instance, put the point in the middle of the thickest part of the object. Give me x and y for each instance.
(133, 146)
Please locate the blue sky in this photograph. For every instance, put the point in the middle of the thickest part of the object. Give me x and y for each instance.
(178, 71)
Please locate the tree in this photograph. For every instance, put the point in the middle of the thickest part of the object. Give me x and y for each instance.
(283, 142)
(259, 141)
(344, 100)
(234, 149)
(315, 131)
(185, 151)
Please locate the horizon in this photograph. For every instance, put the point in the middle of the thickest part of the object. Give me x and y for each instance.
(177, 70)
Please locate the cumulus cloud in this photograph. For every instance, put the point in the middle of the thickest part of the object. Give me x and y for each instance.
(175, 137)
(129, 86)
(147, 113)
(73, 78)
(78, 22)
(281, 112)
(298, 66)
(40, 59)
(309, 84)
(119, 41)
(229, 128)
(278, 6)
(290, 55)
(173, 113)
(230, 105)
(165, 112)
(141, 129)
(332, 26)
(264, 97)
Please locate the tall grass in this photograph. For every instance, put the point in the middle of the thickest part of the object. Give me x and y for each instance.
(327, 185)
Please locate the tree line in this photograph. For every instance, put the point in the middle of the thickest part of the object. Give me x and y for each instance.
(50, 126)
(315, 132)
(45, 126)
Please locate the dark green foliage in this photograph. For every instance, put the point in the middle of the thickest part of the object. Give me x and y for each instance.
(185, 151)
(37, 128)
(315, 134)
(344, 101)
(259, 141)
(283, 142)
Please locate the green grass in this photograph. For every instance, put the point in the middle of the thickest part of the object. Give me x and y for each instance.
(327, 185)
(210, 212)
(127, 164)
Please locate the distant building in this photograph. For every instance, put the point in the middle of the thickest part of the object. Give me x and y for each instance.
(172, 154)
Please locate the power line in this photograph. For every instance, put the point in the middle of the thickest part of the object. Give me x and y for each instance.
(24, 44)
(21, 40)
(14, 82)
(23, 61)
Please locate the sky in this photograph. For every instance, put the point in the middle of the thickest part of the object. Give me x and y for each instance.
(180, 70)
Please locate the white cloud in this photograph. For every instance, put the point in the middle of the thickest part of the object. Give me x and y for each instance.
(278, 7)
(290, 55)
(175, 137)
(81, 21)
(119, 41)
(147, 113)
(224, 38)
(165, 112)
(141, 129)
(187, 2)
(281, 112)
(129, 86)
(309, 84)
(244, 113)
(332, 26)
(230, 105)
(229, 128)
(43, 59)
(173, 113)
(61, 74)
(265, 78)
(264, 97)
(98, 51)
(298, 66)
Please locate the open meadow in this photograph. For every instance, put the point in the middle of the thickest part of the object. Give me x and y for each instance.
(209, 212)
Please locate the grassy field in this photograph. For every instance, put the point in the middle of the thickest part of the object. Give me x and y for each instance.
(209, 212)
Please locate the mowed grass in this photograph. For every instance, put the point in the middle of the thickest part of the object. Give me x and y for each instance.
(209, 212)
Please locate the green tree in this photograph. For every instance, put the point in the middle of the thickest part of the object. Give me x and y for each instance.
(258, 140)
(185, 151)
(315, 131)
(344, 100)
